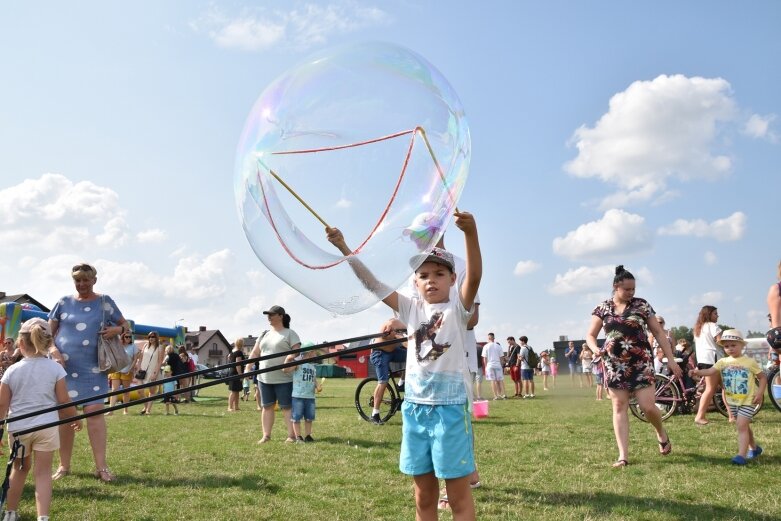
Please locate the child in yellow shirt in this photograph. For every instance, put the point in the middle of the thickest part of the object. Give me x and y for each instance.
(738, 373)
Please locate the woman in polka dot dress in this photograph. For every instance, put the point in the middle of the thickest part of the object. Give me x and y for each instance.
(75, 322)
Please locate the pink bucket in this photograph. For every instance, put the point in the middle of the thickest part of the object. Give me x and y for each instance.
(480, 409)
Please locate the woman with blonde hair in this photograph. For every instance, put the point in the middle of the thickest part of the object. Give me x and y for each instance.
(75, 323)
(33, 384)
(148, 368)
(706, 336)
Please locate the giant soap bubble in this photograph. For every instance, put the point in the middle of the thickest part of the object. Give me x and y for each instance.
(368, 138)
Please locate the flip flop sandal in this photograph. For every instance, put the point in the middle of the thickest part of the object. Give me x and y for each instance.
(620, 464)
(665, 447)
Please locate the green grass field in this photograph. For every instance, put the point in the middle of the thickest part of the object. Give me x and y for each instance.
(547, 458)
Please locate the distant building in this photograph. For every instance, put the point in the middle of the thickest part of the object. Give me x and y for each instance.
(210, 345)
(22, 298)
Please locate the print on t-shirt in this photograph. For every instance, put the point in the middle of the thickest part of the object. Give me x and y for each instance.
(425, 339)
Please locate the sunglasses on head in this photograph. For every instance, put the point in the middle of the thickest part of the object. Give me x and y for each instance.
(82, 267)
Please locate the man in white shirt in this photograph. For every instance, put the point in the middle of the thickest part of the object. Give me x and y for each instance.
(494, 372)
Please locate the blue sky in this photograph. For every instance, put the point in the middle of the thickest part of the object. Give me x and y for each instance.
(603, 133)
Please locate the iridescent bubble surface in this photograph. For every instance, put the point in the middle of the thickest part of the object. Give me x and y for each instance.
(373, 139)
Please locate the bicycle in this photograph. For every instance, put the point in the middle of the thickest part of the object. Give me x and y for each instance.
(672, 394)
(391, 400)
(774, 384)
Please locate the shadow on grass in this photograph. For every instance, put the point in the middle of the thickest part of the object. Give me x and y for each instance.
(249, 482)
(606, 504)
(360, 443)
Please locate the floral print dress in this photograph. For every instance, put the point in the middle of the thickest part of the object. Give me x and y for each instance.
(628, 365)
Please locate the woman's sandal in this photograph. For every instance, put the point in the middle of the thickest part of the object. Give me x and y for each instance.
(620, 464)
(665, 447)
(61, 473)
(104, 475)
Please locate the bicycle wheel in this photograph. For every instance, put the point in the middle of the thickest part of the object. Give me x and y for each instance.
(364, 400)
(774, 387)
(667, 398)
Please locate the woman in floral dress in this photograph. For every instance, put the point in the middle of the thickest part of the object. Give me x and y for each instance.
(629, 368)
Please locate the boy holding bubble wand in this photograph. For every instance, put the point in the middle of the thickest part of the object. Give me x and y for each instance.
(437, 428)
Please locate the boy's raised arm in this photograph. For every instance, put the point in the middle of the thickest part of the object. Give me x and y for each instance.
(465, 221)
(368, 279)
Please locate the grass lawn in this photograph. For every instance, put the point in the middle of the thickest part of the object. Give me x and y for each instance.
(547, 458)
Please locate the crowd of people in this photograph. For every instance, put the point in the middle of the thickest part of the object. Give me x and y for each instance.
(440, 380)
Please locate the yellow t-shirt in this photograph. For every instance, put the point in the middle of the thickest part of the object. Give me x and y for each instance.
(737, 375)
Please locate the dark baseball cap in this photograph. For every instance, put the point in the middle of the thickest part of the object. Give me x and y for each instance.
(275, 310)
(437, 255)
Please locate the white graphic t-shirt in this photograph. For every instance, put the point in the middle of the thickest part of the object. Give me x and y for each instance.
(437, 372)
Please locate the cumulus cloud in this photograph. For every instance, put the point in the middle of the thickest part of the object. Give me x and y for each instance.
(731, 228)
(616, 232)
(759, 127)
(653, 131)
(52, 212)
(304, 26)
(583, 279)
(525, 267)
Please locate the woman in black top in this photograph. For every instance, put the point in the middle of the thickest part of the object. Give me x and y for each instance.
(234, 386)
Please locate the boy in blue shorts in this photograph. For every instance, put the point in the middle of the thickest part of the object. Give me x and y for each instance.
(304, 387)
(437, 428)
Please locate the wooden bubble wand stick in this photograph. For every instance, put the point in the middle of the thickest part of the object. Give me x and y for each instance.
(300, 200)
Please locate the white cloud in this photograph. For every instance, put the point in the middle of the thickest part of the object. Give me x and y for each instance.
(153, 235)
(731, 228)
(525, 267)
(584, 279)
(710, 298)
(304, 26)
(53, 213)
(617, 232)
(759, 127)
(653, 131)
(710, 258)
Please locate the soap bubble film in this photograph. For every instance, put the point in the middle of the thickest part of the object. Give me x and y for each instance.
(368, 138)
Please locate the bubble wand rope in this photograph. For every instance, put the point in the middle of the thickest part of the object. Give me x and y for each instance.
(420, 130)
(187, 375)
(218, 381)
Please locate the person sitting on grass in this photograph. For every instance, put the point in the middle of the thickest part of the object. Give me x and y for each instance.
(738, 372)
(304, 387)
(437, 428)
(30, 385)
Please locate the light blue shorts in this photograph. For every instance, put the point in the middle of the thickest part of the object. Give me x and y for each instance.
(438, 439)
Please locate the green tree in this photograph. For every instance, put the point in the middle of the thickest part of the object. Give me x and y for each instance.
(679, 332)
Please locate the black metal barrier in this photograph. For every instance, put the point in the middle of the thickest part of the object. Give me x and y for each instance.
(245, 374)
(16, 446)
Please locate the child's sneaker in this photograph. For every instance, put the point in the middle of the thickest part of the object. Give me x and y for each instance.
(739, 460)
(376, 420)
(10, 515)
(299, 439)
(755, 452)
(309, 438)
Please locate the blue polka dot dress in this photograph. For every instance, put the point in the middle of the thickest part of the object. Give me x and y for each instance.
(77, 339)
